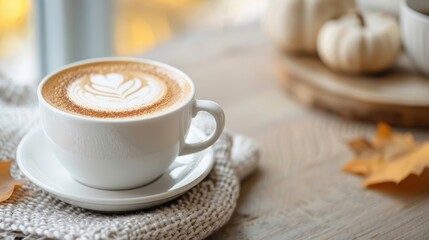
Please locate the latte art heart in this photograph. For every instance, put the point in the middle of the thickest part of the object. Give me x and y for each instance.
(112, 92)
(117, 89)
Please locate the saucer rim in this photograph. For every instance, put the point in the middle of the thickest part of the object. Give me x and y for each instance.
(115, 201)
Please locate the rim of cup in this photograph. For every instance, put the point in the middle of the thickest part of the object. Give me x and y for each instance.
(416, 13)
(115, 120)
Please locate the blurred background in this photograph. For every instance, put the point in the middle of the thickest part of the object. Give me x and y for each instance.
(32, 33)
(37, 36)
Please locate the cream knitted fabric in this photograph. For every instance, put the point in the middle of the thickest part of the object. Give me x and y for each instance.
(33, 213)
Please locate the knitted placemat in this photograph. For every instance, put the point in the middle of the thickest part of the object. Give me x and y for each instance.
(32, 213)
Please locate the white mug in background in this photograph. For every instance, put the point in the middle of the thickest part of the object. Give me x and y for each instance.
(123, 153)
(414, 17)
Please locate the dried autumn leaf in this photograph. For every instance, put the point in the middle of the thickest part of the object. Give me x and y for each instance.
(366, 155)
(383, 134)
(361, 166)
(388, 157)
(7, 183)
(396, 171)
(362, 147)
(392, 145)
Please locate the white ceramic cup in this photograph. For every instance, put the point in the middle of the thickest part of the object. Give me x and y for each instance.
(415, 32)
(123, 153)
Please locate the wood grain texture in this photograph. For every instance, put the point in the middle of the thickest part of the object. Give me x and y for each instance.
(298, 191)
(399, 96)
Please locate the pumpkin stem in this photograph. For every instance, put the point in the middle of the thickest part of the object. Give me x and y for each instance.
(359, 17)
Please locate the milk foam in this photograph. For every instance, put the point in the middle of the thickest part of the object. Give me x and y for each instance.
(112, 92)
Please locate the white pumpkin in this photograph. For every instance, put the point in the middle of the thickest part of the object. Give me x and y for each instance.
(358, 43)
(293, 25)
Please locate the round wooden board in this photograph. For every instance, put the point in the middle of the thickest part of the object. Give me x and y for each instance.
(398, 97)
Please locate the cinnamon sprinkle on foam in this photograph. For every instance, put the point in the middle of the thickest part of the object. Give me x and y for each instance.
(55, 89)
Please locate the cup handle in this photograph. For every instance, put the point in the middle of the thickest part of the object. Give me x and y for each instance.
(216, 111)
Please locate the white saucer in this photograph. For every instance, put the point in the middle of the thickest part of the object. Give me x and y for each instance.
(41, 167)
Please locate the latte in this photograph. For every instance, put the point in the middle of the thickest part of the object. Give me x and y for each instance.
(116, 89)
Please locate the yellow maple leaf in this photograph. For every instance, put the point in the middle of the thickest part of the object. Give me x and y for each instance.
(361, 166)
(388, 157)
(7, 183)
(392, 145)
(366, 156)
(396, 171)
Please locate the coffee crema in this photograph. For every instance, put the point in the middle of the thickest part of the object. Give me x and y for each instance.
(116, 89)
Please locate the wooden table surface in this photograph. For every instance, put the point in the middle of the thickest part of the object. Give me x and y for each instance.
(299, 190)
